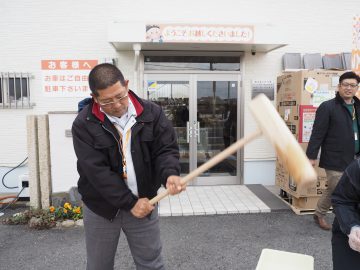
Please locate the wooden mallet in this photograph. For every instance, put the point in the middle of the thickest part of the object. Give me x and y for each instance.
(274, 128)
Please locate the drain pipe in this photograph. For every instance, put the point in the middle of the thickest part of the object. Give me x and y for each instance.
(137, 49)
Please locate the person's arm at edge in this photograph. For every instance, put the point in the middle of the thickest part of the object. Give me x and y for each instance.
(346, 198)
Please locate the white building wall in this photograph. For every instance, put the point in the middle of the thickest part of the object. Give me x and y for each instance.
(35, 30)
(32, 31)
(63, 172)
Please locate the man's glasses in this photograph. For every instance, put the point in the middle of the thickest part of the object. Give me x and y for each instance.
(351, 85)
(117, 100)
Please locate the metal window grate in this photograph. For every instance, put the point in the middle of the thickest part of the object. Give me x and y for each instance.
(15, 90)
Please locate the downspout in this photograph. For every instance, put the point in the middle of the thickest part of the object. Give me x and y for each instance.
(137, 49)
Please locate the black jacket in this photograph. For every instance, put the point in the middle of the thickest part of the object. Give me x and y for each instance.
(333, 132)
(346, 199)
(154, 152)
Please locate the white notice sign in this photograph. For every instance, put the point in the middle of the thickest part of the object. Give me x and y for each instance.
(66, 78)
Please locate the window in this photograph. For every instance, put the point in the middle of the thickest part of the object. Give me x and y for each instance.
(15, 90)
(210, 63)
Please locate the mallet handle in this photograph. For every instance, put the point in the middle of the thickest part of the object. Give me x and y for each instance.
(212, 162)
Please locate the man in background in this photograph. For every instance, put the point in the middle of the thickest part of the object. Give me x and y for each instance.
(336, 132)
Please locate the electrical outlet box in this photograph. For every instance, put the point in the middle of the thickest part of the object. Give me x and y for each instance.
(24, 184)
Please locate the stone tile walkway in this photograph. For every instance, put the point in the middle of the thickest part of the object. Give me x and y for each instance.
(212, 200)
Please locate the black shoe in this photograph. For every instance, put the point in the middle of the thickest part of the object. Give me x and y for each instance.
(322, 223)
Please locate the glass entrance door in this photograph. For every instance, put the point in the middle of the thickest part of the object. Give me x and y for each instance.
(216, 100)
(204, 111)
(172, 94)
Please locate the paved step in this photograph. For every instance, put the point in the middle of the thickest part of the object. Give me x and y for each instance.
(217, 200)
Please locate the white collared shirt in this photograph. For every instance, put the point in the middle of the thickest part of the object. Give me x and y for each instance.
(123, 125)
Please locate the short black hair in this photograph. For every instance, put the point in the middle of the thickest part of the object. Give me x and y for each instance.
(148, 27)
(103, 76)
(349, 75)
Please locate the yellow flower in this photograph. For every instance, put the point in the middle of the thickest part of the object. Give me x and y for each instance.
(67, 206)
(52, 209)
(77, 210)
(65, 211)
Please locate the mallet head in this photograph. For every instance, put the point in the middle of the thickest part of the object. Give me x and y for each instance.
(286, 146)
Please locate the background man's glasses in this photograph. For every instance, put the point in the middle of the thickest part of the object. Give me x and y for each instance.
(117, 100)
(351, 85)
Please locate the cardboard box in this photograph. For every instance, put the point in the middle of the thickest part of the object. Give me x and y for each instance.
(305, 203)
(306, 87)
(300, 93)
(286, 182)
(298, 96)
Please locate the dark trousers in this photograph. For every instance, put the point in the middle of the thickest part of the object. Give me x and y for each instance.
(344, 258)
(142, 234)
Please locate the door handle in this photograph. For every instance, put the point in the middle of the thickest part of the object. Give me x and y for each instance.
(188, 131)
(198, 131)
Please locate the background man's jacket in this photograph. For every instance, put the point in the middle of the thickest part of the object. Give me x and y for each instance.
(333, 132)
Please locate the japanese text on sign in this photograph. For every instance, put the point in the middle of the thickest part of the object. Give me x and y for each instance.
(307, 118)
(66, 78)
(200, 33)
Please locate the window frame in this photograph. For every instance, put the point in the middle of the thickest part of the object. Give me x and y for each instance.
(15, 90)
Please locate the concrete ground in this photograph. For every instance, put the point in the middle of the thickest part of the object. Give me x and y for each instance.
(231, 241)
